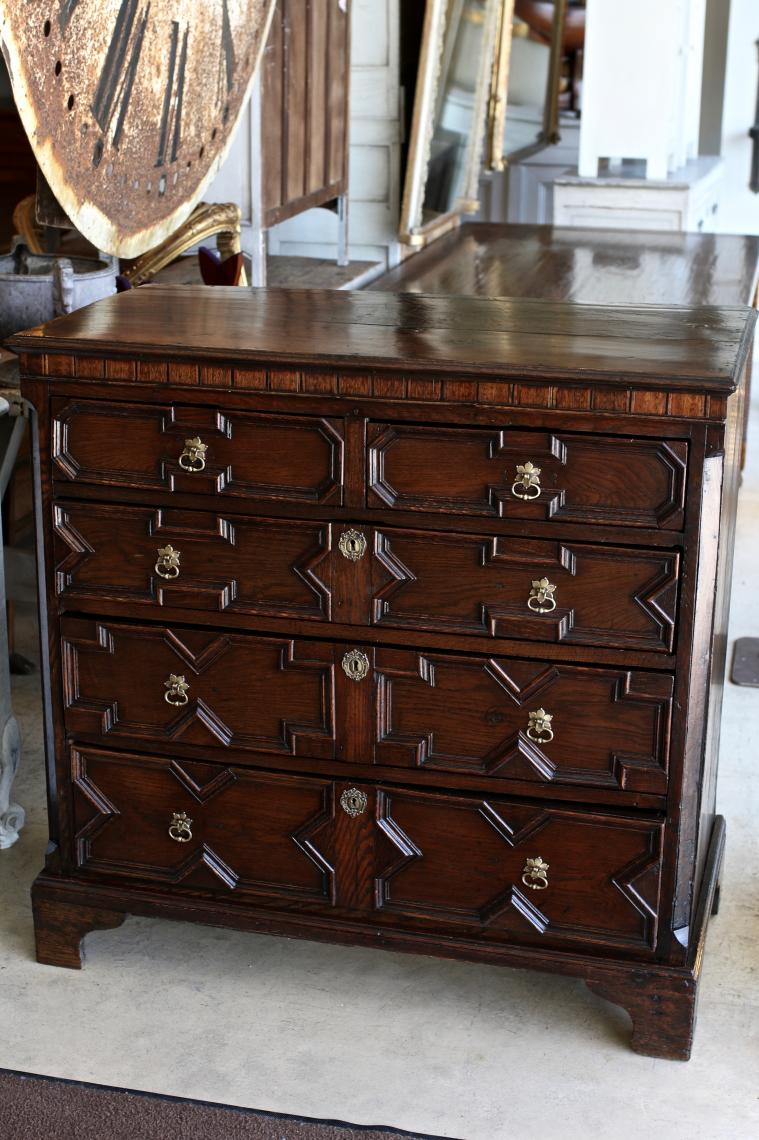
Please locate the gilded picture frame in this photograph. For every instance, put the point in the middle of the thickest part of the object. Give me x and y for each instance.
(414, 230)
(496, 157)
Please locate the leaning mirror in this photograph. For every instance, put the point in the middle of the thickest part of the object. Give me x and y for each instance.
(523, 111)
(448, 125)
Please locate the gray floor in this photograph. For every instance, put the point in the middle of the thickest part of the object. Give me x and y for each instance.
(376, 1038)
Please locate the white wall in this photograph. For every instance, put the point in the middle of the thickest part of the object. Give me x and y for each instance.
(739, 209)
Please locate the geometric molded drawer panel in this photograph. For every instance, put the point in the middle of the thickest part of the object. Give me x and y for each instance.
(196, 689)
(603, 728)
(610, 596)
(510, 473)
(251, 832)
(196, 450)
(456, 861)
(498, 869)
(191, 560)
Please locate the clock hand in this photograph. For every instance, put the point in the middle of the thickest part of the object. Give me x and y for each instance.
(171, 117)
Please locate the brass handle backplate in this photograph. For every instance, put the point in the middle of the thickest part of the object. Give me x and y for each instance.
(541, 599)
(355, 664)
(193, 458)
(167, 564)
(527, 483)
(176, 690)
(535, 874)
(539, 726)
(352, 545)
(353, 802)
(180, 828)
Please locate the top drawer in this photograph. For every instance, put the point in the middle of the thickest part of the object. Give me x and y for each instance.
(519, 474)
(280, 458)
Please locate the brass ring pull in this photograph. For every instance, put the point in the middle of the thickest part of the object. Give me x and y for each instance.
(180, 828)
(527, 483)
(167, 565)
(176, 690)
(539, 727)
(193, 458)
(541, 599)
(535, 874)
(353, 802)
(352, 545)
(355, 665)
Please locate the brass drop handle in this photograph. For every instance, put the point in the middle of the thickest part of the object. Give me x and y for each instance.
(176, 690)
(535, 874)
(193, 458)
(352, 544)
(355, 664)
(541, 599)
(539, 726)
(527, 482)
(180, 828)
(353, 802)
(167, 564)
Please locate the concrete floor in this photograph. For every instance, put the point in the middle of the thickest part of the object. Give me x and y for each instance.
(371, 1037)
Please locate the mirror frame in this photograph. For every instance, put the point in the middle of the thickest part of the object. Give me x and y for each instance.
(412, 232)
(495, 158)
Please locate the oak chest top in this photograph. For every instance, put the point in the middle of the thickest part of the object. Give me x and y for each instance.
(699, 349)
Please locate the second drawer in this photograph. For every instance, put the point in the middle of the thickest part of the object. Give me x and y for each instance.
(468, 584)
(497, 719)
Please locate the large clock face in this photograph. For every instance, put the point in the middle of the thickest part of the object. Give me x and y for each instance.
(129, 104)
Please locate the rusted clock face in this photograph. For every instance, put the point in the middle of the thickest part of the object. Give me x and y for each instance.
(129, 104)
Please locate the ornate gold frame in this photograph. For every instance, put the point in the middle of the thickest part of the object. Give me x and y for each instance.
(412, 231)
(206, 220)
(495, 159)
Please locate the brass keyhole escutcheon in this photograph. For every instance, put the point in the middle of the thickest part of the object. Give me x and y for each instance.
(353, 802)
(527, 483)
(193, 458)
(180, 828)
(541, 599)
(167, 565)
(539, 726)
(176, 690)
(535, 874)
(355, 665)
(352, 545)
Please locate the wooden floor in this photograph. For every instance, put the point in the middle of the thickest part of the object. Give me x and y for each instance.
(286, 272)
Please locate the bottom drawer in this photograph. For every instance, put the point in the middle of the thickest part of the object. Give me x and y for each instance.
(495, 869)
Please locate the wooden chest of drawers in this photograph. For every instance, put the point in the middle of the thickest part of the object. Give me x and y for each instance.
(391, 620)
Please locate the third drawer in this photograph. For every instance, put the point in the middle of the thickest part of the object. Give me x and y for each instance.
(266, 700)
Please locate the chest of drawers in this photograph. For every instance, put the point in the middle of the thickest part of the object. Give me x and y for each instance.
(391, 620)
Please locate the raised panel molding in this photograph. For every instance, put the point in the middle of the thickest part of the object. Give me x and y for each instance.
(611, 727)
(426, 876)
(479, 584)
(592, 479)
(240, 564)
(91, 445)
(99, 662)
(224, 808)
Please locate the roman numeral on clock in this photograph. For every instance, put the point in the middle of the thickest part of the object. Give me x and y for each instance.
(171, 116)
(111, 100)
(226, 57)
